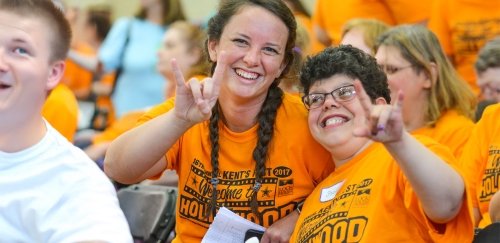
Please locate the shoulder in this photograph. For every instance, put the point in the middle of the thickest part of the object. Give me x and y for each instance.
(157, 110)
(293, 103)
(452, 118)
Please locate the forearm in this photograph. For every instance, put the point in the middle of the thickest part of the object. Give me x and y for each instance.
(88, 62)
(438, 186)
(134, 155)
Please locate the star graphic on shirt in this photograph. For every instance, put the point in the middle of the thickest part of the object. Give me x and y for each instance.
(194, 181)
(266, 192)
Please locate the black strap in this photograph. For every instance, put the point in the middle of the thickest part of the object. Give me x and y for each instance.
(119, 69)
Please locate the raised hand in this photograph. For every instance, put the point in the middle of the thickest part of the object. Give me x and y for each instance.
(194, 99)
(383, 123)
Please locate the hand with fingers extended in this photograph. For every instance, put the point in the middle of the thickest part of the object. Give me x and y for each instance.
(194, 99)
(383, 122)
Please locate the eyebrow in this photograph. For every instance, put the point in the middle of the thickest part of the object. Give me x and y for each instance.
(341, 85)
(267, 43)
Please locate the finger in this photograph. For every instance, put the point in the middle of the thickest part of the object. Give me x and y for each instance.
(265, 238)
(384, 116)
(365, 100)
(178, 76)
(220, 69)
(399, 101)
(195, 87)
(375, 119)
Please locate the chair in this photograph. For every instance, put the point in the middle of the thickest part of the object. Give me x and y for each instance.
(488, 234)
(150, 211)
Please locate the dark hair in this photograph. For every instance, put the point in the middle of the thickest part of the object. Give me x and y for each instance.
(267, 115)
(350, 61)
(488, 56)
(101, 21)
(172, 11)
(53, 17)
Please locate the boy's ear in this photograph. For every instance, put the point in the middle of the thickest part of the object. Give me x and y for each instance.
(55, 74)
(380, 101)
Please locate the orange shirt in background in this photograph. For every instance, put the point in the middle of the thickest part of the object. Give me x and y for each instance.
(331, 15)
(409, 12)
(451, 129)
(77, 78)
(61, 111)
(118, 127)
(463, 27)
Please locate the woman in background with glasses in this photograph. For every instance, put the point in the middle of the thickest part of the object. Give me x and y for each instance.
(438, 103)
(387, 185)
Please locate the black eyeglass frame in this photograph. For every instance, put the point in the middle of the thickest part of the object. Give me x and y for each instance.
(306, 99)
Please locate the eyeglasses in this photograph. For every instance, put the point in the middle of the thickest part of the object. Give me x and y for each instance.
(490, 89)
(389, 69)
(342, 94)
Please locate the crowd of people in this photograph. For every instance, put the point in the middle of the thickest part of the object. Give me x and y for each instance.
(358, 122)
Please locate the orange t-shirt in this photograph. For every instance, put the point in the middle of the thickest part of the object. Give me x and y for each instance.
(463, 28)
(77, 78)
(61, 111)
(118, 127)
(297, 163)
(480, 160)
(409, 12)
(451, 129)
(369, 199)
(331, 15)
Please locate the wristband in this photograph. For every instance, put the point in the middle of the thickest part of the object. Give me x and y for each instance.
(299, 207)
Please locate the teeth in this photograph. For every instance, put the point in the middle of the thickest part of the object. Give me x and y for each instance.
(246, 75)
(334, 121)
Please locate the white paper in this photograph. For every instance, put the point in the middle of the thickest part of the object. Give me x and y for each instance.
(229, 227)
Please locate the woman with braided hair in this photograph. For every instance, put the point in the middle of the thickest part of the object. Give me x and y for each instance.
(235, 139)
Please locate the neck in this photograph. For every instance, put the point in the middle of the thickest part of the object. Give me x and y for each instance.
(341, 155)
(155, 14)
(414, 117)
(20, 135)
(240, 115)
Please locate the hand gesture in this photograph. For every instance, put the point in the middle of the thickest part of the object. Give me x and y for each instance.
(194, 99)
(281, 230)
(383, 123)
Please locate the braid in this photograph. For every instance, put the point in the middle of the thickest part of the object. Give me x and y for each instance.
(266, 119)
(214, 140)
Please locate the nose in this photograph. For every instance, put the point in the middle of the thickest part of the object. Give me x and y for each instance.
(252, 57)
(330, 102)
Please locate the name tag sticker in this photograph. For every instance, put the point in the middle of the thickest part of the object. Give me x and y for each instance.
(329, 193)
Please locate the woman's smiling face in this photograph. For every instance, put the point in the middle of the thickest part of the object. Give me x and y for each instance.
(254, 40)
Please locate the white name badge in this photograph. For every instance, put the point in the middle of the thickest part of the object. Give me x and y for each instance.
(329, 193)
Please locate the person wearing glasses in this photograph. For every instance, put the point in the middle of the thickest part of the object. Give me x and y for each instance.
(487, 68)
(438, 103)
(387, 185)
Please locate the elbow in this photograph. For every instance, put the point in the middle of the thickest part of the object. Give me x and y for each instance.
(113, 171)
(446, 210)
(445, 214)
